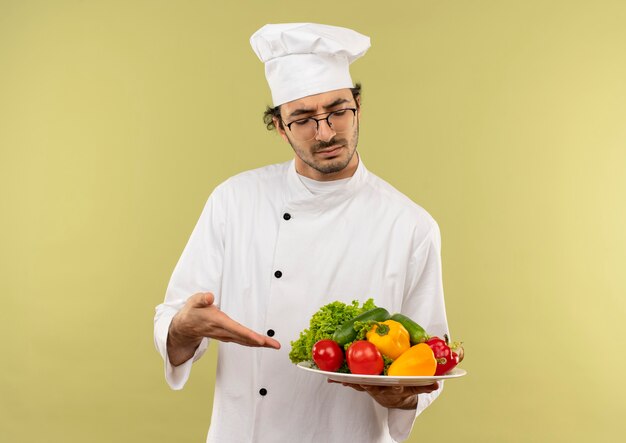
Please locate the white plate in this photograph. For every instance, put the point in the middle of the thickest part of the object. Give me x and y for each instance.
(382, 380)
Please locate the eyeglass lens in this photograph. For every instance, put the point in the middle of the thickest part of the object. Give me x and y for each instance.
(306, 128)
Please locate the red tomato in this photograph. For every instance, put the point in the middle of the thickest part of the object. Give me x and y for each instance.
(364, 358)
(327, 355)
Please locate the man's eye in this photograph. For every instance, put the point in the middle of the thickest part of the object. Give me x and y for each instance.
(340, 113)
(302, 122)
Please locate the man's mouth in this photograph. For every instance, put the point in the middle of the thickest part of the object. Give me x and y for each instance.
(330, 151)
(330, 148)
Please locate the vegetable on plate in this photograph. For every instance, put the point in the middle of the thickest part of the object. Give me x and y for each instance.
(419, 360)
(327, 355)
(364, 358)
(390, 337)
(347, 333)
(416, 332)
(447, 356)
(366, 339)
(323, 325)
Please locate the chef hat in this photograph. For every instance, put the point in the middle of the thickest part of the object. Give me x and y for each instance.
(303, 59)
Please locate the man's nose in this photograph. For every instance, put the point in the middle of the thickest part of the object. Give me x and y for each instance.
(324, 131)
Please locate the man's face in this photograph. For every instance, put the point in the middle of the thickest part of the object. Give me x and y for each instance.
(330, 155)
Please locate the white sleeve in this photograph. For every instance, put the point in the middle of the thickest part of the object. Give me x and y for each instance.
(199, 269)
(424, 303)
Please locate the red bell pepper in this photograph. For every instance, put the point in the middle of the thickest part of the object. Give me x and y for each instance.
(447, 356)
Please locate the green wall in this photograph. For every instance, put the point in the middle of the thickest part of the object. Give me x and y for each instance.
(504, 119)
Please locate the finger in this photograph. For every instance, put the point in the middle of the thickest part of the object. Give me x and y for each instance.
(245, 336)
(258, 341)
(267, 342)
(428, 389)
(377, 389)
(422, 389)
(239, 332)
(354, 386)
(209, 298)
(202, 299)
(271, 343)
(241, 337)
(395, 390)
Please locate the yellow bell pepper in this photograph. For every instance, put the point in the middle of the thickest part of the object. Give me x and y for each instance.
(419, 360)
(390, 337)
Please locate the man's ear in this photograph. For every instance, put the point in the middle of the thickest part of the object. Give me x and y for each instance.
(279, 128)
(358, 105)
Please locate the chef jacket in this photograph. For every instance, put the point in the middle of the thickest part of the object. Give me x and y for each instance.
(273, 253)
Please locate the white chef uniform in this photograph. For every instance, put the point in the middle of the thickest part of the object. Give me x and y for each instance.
(273, 253)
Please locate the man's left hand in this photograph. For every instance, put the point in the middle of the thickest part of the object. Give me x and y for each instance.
(400, 397)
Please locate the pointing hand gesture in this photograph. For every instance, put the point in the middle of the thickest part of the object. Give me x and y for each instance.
(200, 318)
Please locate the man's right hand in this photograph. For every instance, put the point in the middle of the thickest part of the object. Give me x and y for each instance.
(200, 318)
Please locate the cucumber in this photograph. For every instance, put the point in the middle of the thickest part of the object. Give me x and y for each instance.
(416, 332)
(346, 333)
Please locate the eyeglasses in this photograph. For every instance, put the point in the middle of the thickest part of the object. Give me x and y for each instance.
(305, 129)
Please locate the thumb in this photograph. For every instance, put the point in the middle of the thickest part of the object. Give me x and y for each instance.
(202, 300)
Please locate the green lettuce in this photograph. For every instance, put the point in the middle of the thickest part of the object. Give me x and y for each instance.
(323, 325)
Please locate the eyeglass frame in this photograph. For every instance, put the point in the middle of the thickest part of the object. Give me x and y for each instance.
(318, 120)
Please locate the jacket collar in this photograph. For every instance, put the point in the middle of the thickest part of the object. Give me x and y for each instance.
(299, 197)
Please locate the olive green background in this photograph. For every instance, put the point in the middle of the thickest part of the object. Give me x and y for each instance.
(506, 120)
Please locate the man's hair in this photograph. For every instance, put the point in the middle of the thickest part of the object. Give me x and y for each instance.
(270, 113)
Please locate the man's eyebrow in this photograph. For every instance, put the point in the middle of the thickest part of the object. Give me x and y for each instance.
(308, 111)
(300, 112)
(336, 102)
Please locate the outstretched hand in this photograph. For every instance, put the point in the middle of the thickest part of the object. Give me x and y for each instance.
(200, 318)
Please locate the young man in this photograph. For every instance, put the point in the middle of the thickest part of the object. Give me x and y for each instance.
(275, 244)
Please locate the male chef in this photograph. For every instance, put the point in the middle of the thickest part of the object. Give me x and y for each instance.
(275, 244)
